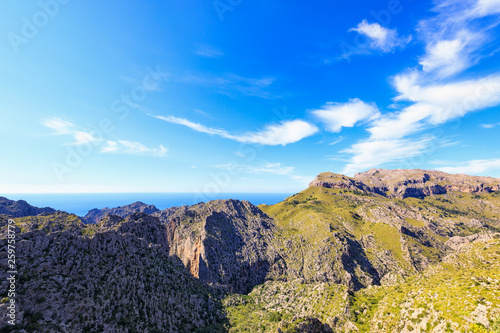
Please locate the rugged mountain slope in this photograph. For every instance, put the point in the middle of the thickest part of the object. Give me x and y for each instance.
(95, 215)
(20, 208)
(224, 242)
(115, 276)
(408, 183)
(461, 294)
(385, 251)
(343, 231)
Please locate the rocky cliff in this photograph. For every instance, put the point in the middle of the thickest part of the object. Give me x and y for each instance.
(223, 242)
(20, 208)
(95, 215)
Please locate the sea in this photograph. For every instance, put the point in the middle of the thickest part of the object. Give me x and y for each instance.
(81, 203)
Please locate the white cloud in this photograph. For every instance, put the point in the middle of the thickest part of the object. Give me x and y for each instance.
(486, 7)
(338, 115)
(83, 137)
(209, 51)
(391, 135)
(447, 57)
(339, 140)
(283, 133)
(454, 37)
(489, 126)
(474, 167)
(133, 148)
(454, 41)
(64, 127)
(232, 85)
(59, 126)
(372, 153)
(435, 104)
(266, 168)
(381, 38)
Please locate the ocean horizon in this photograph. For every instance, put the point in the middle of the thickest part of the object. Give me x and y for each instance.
(81, 203)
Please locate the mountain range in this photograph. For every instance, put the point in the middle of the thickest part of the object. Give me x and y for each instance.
(383, 251)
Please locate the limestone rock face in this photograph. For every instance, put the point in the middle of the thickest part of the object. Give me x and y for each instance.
(223, 242)
(407, 183)
(95, 215)
(21, 208)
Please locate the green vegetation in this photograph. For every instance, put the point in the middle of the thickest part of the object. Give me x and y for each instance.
(449, 296)
(275, 303)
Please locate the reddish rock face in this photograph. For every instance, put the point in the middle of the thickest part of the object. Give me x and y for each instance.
(224, 242)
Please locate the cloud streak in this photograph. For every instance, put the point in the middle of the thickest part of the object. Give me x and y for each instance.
(474, 167)
(132, 148)
(372, 153)
(63, 127)
(266, 168)
(283, 133)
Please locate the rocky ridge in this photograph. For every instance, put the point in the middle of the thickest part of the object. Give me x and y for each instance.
(95, 215)
(408, 183)
(21, 208)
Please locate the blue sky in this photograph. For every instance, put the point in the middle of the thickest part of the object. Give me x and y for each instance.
(243, 96)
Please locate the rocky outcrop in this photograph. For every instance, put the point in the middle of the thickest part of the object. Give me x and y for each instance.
(335, 181)
(95, 215)
(21, 208)
(222, 242)
(457, 242)
(407, 183)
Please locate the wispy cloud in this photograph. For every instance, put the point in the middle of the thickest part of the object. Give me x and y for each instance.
(372, 153)
(283, 133)
(381, 38)
(474, 167)
(133, 148)
(266, 168)
(335, 116)
(448, 57)
(232, 84)
(489, 126)
(339, 140)
(208, 51)
(61, 126)
(436, 104)
(65, 127)
(454, 39)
